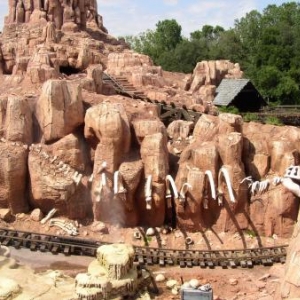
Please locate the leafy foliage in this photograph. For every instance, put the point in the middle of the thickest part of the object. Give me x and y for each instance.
(266, 45)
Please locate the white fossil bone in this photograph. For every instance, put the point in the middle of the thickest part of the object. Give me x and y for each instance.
(50, 214)
(102, 167)
(225, 173)
(118, 184)
(182, 194)
(291, 186)
(170, 180)
(209, 175)
(3, 140)
(277, 180)
(148, 192)
(263, 186)
(220, 198)
(91, 178)
(25, 147)
(64, 225)
(67, 171)
(52, 160)
(249, 180)
(254, 188)
(77, 177)
(44, 155)
(60, 164)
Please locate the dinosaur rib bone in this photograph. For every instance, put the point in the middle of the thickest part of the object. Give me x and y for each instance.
(118, 183)
(77, 177)
(228, 184)
(209, 175)
(170, 180)
(49, 215)
(148, 192)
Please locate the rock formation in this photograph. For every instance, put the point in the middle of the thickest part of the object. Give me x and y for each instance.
(70, 143)
(111, 274)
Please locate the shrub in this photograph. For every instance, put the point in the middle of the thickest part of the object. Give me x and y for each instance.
(273, 121)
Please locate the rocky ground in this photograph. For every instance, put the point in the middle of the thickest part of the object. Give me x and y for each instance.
(257, 283)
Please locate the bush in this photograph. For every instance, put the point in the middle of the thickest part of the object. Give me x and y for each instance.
(273, 121)
(250, 117)
(229, 109)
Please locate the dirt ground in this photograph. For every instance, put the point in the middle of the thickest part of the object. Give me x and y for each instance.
(228, 284)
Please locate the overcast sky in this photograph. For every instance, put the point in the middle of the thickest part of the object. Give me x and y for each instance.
(130, 17)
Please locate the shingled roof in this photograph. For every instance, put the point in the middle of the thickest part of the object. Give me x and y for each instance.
(228, 90)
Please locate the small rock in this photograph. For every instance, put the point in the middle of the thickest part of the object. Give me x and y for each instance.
(99, 227)
(160, 278)
(175, 290)
(264, 277)
(178, 234)
(163, 242)
(171, 283)
(194, 283)
(260, 285)
(5, 214)
(233, 281)
(36, 215)
(150, 231)
(20, 216)
(186, 285)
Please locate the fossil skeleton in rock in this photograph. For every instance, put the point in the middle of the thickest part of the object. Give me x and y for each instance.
(148, 192)
(64, 225)
(225, 173)
(256, 187)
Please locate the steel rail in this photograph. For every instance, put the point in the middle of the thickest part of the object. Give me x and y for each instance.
(245, 258)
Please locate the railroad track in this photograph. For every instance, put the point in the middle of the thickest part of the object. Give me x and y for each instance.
(167, 112)
(245, 258)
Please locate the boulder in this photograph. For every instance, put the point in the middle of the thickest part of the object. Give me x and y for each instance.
(13, 178)
(59, 109)
(17, 129)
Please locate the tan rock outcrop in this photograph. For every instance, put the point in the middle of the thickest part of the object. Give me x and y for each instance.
(59, 109)
(16, 119)
(52, 187)
(13, 177)
(212, 73)
(290, 283)
(42, 65)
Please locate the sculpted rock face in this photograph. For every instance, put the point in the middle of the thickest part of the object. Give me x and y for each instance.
(13, 177)
(49, 187)
(212, 72)
(59, 109)
(154, 155)
(16, 119)
(107, 124)
(290, 283)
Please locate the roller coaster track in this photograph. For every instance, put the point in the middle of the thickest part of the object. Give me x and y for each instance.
(245, 258)
(166, 112)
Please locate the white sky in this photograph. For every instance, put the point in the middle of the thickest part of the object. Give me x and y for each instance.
(130, 17)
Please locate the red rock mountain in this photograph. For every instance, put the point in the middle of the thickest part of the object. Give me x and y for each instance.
(70, 142)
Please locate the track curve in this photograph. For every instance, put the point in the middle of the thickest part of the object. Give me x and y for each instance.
(245, 258)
